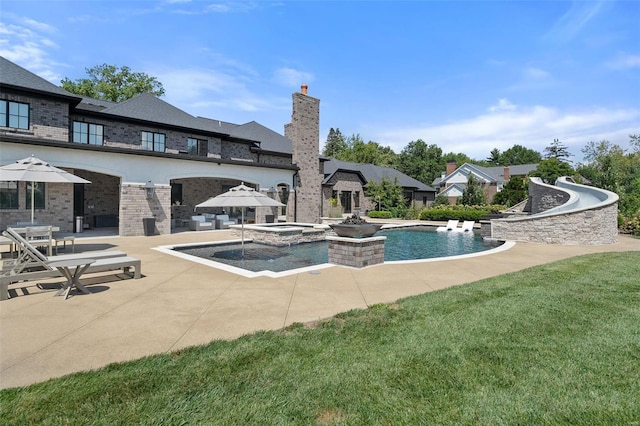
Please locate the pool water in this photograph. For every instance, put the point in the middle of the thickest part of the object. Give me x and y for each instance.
(409, 243)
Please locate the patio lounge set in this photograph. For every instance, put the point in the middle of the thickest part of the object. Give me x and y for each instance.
(30, 264)
(210, 221)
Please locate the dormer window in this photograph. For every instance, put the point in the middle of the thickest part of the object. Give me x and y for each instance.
(14, 114)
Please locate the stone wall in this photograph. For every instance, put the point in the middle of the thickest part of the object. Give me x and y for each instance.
(135, 206)
(545, 197)
(588, 227)
(304, 132)
(356, 252)
(281, 237)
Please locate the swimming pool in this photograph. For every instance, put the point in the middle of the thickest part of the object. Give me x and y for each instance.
(402, 244)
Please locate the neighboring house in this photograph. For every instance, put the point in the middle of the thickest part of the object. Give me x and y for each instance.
(346, 181)
(491, 179)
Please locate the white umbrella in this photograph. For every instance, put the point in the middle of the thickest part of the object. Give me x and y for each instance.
(32, 169)
(241, 196)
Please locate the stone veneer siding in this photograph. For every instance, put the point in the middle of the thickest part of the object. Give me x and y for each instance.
(280, 238)
(134, 206)
(356, 252)
(304, 132)
(587, 227)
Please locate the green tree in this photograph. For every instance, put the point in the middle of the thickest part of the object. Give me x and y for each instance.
(512, 193)
(358, 151)
(472, 194)
(387, 194)
(335, 144)
(611, 168)
(111, 83)
(551, 169)
(518, 154)
(557, 150)
(421, 161)
(459, 158)
(494, 157)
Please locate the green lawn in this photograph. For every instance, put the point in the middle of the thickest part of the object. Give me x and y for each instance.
(555, 344)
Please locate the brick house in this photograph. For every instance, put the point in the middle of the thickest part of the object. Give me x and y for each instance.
(491, 179)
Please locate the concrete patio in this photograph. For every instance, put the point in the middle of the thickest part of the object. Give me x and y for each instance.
(179, 303)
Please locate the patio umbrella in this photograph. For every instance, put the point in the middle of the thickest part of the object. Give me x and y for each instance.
(32, 169)
(241, 196)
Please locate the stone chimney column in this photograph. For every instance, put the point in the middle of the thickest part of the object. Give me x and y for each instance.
(304, 133)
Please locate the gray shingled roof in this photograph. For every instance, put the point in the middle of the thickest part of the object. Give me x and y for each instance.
(14, 75)
(146, 107)
(374, 173)
(269, 140)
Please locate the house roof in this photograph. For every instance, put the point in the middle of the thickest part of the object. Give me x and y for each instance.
(15, 76)
(374, 173)
(491, 174)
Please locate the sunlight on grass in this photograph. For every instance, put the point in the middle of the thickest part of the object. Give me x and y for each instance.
(555, 344)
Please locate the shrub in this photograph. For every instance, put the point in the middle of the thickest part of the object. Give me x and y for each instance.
(458, 212)
(382, 214)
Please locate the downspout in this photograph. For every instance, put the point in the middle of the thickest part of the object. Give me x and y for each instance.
(295, 197)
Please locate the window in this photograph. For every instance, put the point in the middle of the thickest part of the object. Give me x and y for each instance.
(91, 134)
(8, 195)
(197, 147)
(38, 195)
(14, 114)
(153, 141)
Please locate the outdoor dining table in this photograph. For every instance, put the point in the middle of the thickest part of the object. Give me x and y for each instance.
(66, 268)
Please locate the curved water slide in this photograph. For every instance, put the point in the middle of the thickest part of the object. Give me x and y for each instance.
(564, 213)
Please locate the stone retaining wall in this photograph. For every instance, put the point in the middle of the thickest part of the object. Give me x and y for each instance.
(590, 225)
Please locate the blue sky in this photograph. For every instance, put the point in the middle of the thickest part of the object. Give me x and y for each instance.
(468, 76)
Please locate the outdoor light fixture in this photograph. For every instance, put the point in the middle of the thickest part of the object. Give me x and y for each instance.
(151, 189)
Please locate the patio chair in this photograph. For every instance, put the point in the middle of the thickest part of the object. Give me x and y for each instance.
(31, 264)
(223, 221)
(199, 223)
(40, 236)
(451, 226)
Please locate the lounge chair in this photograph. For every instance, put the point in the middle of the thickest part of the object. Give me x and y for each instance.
(223, 221)
(467, 226)
(451, 226)
(199, 223)
(32, 265)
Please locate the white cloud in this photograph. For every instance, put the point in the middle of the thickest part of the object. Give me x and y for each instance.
(24, 44)
(575, 19)
(290, 77)
(624, 62)
(533, 73)
(503, 105)
(532, 127)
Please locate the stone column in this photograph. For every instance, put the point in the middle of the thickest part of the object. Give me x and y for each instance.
(304, 132)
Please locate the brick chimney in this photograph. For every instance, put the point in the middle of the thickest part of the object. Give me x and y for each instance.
(507, 174)
(304, 88)
(451, 166)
